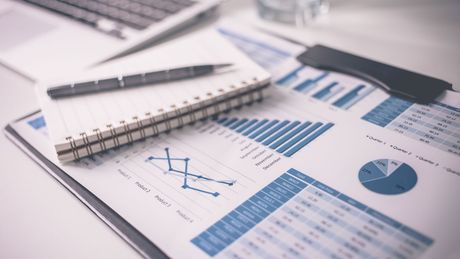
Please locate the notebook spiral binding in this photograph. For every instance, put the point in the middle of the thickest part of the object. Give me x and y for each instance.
(175, 116)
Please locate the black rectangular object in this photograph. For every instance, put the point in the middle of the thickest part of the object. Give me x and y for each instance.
(397, 81)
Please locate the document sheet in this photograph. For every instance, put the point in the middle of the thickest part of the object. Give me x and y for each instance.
(315, 170)
(434, 124)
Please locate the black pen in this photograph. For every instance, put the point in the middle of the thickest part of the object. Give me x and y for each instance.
(133, 80)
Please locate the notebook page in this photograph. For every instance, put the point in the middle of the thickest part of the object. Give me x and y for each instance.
(72, 116)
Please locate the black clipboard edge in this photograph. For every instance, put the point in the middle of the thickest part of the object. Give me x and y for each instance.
(110, 217)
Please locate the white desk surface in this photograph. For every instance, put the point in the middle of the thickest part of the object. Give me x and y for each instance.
(40, 219)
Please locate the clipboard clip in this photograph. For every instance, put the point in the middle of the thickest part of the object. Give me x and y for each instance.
(397, 81)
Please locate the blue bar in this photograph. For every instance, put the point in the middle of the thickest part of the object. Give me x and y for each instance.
(301, 176)
(310, 82)
(239, 123)
(325, 91)
(255, 127)
(359, 97)
(289, 77)
(299, 137)
(281, 133)
(309, 139)
(290, 135)
(304, 85)
(245, 126)
(263, 129)
(348, 97)
(320, 77)
(229, 122)
(271, 131)
(222, 120)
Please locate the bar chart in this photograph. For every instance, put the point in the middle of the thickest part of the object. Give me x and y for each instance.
(328, 92)
(436, 124)
(291, 76)
(298, 216)
(353, 96)
(285, 136)
(323, 86)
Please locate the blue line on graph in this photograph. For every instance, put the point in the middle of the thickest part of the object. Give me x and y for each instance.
(186, 174)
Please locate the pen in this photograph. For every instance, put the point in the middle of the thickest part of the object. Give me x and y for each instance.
(133, 80)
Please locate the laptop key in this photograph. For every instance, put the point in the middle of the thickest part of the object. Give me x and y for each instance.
(111, 16)
(67, 10)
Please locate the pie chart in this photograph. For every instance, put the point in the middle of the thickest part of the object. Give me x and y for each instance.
(387, 176)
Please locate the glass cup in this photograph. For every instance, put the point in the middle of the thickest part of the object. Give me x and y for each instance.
(297, 12)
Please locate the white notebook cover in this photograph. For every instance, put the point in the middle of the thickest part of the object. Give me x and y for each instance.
(70, 117)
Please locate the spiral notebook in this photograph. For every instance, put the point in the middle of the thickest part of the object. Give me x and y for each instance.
(84, 125)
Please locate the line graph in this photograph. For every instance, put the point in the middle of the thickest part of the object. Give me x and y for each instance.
(188, 176)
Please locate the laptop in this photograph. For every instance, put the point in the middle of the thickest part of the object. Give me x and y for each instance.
(45, 39)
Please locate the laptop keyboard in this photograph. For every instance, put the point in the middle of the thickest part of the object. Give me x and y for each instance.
(111, 16)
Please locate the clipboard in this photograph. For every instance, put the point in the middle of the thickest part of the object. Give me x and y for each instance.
(396, 81)
(117, 223)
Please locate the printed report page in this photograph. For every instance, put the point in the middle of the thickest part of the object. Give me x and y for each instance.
(280, 178)
(435, 124)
